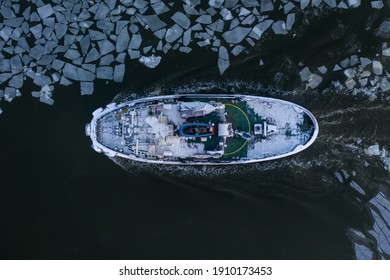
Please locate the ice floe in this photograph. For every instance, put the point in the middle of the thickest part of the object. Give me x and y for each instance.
(150, 61)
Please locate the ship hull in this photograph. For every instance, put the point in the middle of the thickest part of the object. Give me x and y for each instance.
(261, 129)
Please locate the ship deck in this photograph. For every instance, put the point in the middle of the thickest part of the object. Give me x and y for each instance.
(150, 130)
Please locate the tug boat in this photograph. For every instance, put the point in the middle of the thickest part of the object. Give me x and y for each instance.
(202, 129)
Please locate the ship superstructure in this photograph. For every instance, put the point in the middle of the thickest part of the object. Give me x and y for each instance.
(202, 129)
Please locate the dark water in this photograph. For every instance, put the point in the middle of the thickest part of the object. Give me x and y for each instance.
(59, 199)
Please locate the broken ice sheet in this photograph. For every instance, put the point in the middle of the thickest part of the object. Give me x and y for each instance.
(279, 27)
(123, 41)
(181, 19)
(236, 35)
(86, 88)
(153, 22)
(105, 73)
(173, 33)
(150, 61)
(119, 72)
(223, 59)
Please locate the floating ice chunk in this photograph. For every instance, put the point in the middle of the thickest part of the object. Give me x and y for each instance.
(339, 177)
(105, 26)
(261, 62)
(22, 42)
(13, 22)
(134, 54)
(223, 59)
(364, 61)
(92, 55)
(153, 22)
(237, 50)
(305, 74)
(377, 4)
(111, 3)
(85, 43)
(331, 3)
(204, 19)
(5, 33)
(322, 69)
(290, 21)
(60, 29)
(105, 73)
(105, 47)
(373, 150)
(247, 3)
(236, 35)
(185, 49)
(6, 12)
(90, 67)
(64, 81)
(173, 33)
(266, 6)
(384, 84)
(150, 61)
(359, 189)
(36, 31)
(16, 81)
(5, 65)
(101, 12)
(72, 54)
(350, 72)
(57, 64)
(140, 4)
(34, 17)
(354, 60)
(4, 77)
(96, 35)
(354, 3)
(123, 41)
(181, 19)
(304, 4)
(226, 14)
(121, 57)
(41, 79)
(160, 8)
(386, 52)
(86, 88)
(244, 12)
(106, 60)
(342, 5)
(46, 60)
(345, 63)
(314, 81)
(16, 65)
(187, 37)
(9, 94)
(377, 67)
(216, 3)
(363, 82)
(350, 83)
(45, 97)
(78, 74)
(189, 10)
(363, 252)
(288, 7)
(133, 28)
(160, 33)
(45, 11)
(119, 72)
(135, 41)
